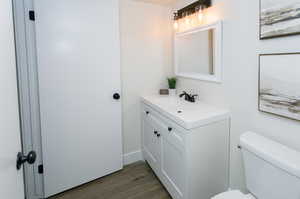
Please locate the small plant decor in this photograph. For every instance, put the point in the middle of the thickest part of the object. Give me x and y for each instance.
(172, 82)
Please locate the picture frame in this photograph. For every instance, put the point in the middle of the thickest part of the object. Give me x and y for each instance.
(279, 84)
(279, 18)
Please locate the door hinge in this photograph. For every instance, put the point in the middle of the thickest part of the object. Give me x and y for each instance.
(32, 15)
(41, 169)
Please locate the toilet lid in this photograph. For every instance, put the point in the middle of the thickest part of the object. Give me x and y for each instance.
(233, 195)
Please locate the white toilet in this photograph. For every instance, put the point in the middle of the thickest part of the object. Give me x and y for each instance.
(272, 170)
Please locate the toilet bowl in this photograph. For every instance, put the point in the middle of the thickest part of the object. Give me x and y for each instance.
(235, 194)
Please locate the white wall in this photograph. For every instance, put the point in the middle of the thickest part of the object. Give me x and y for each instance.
(11, 182)
(145, 61)
(240, 86)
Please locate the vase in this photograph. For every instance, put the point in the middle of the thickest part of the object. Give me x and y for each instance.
(172, 92)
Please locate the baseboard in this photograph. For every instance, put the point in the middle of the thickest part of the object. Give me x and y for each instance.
(132, 157)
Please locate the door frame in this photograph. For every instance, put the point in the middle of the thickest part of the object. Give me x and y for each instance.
(28, 93)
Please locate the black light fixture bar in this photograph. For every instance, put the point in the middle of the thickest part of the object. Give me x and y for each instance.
(190, 9)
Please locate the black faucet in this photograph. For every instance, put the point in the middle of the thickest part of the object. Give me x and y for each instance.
(188, 97)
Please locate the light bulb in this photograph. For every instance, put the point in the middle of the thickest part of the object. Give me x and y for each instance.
(175, 25)
(187, 20)
(193, 19)
(200, 15)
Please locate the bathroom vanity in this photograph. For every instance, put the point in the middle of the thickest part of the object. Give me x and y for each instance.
(187, 146)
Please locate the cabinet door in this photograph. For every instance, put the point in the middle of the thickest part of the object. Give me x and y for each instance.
(151, 143)
(173, 165)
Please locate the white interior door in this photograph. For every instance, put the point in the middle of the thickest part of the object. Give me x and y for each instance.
(11, 180)
(79, 71)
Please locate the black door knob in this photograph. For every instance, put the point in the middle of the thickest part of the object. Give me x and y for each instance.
(116, 96)
(21, 159)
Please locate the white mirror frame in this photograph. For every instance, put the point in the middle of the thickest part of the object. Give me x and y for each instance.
(217, 53)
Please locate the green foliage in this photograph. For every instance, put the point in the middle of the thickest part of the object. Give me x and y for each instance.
(172, 82)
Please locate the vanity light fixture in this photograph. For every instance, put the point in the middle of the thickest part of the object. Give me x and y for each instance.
(190, 12)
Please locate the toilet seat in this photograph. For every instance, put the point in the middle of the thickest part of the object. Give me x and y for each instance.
(235, 194)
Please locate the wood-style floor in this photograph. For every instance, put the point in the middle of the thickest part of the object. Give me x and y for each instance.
(136, 181)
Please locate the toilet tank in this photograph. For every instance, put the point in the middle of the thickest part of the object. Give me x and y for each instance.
(272, 169)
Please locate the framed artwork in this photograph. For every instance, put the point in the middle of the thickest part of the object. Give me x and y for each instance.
(279, 84)
(279, 18)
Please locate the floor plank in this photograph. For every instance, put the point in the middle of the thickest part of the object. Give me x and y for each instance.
(136, 181)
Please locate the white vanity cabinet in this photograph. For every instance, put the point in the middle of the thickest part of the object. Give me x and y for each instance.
(164, 151)
(190, 157)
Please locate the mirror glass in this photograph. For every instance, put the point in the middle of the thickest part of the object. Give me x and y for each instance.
(198, 53)
(195, 53)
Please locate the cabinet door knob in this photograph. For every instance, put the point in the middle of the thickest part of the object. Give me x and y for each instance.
(170, 129)
(147, 112)
(158, 135)
(155, 132)
(116, 96)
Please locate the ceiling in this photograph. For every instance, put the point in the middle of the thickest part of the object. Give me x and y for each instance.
(161, 2)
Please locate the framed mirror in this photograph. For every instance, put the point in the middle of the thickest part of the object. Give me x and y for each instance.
(198, 53)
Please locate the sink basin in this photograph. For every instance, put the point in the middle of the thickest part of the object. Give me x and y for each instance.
(186, 114)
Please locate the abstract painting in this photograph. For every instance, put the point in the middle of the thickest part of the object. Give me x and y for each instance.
(279, 18)
(279, 85)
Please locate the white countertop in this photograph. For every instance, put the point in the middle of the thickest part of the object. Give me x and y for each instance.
(186, 114)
